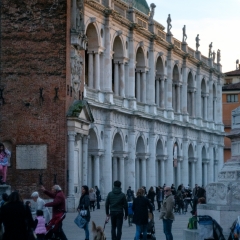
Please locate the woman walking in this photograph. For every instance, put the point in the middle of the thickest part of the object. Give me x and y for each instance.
(84, 204)
(4, 155)
(140, 208)
(92, 197)
(98, 194)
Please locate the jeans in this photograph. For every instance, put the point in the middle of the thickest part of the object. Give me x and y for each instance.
(86, 230)
(141, 229)
(60, 234)
(167, 228)
(117, 222)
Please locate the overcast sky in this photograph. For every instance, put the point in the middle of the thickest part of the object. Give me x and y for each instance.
(216, 21)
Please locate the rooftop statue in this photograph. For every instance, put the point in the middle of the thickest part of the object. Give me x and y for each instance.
(218, 56)
(213, 55)
(152, 5)
(169, 25)
(184, 34)
(237, 62)
(210, 50)
(197, 42)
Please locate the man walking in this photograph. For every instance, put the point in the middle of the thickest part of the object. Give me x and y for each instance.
(58, 206)
(117, 203)
(167, 213)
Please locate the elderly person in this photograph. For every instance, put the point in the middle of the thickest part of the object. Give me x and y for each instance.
(40, 205)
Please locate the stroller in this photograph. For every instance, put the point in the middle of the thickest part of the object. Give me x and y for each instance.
(52, 226)
(150, 227)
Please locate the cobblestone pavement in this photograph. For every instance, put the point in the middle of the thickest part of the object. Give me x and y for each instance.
(98, 216)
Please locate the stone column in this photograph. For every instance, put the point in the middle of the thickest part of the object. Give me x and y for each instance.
(198, 95)
(138, 87)
(173, 98)
(215, 170)
(184, 89)
(162, 172)
(80, 160)
(90, 170)
(115, 169)
(144, 171)
(157, 92)
(179, 172)
(211, 166)
(137, 173)
(85, 160)
(90, 70)
(210, 111)
(96, 170)
(199, 165)
(193, 174)
(205, 107)
(214, 109)
(193, 103)
(107, 161)
(162, 94)
(151, 173)
(169, 86)
(116, 79)
(151, 76)
(122, 175)
(178, 99)
(219, 105)
(205, 180)
(185, 172)
(169, 164)
(144, 90)
(220, 158)
(122, 80)
(97, 70)
(71, 141)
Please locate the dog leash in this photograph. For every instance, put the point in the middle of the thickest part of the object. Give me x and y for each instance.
(106, 221)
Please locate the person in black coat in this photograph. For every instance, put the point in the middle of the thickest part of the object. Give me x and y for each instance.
(16, 218)
(140, 213)
(151, 195)
(98, 194)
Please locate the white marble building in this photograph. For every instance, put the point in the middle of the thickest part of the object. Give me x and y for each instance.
(147, 91)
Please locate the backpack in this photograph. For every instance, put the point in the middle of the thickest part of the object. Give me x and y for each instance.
(192, 223)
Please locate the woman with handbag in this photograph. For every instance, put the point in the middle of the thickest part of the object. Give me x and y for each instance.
(4, 155)
(83, 209)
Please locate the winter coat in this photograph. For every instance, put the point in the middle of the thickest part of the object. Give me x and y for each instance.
(58, 203)
(84, 204)
(40, 229)
(92, 196)
(140, 210)
(151, 196)
(40, 205)
(116, 202)
(17, 219)
(167, 208)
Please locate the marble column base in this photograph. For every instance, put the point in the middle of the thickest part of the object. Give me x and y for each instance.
(71, 204)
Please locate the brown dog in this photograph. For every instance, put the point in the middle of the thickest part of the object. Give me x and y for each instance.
(98, 233)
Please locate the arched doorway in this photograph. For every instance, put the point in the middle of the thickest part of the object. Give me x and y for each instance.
(159, 84)
(160, 164)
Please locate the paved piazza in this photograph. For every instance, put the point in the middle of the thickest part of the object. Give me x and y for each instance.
(74, 233)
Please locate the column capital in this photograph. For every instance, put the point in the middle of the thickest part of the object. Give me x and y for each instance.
(192, 159)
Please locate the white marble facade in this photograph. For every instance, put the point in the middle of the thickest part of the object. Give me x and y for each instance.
(147, 91)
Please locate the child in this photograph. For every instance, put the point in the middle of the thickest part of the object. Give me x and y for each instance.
(130, 213)
(40, 228)
(5, 154)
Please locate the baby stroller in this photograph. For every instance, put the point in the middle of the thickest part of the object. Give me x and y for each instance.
(52, 226)
(150, 227)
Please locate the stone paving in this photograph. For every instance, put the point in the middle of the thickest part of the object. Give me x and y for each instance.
(98, 216)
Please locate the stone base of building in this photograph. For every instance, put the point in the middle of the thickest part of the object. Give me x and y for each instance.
(190, 234)
(72, 204)
(5, 189)
(224, 215)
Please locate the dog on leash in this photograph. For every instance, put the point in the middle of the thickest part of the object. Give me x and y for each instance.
(98, 233)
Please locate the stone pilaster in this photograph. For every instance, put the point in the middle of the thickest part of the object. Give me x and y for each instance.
(85, 160)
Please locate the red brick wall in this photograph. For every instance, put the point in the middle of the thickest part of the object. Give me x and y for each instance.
(33, 57)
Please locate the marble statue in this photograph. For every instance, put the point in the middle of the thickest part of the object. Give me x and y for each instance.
(218, 56)
(237, 62)
(169, 25)
(184, 34)
(210, 50)
(197, 42)
(213, 55)
(152, 5)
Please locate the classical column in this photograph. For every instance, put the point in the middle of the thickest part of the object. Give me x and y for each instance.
(71, 140)
(193, 174)
(214, 109)
(85, 160)
(90, 170)
(162, 172)
(121, 173)
(215, 170)
(151, 173)
(198, 95)
(157, 92)
(185, 172)
(131, 68)
(115, 169)
(144, 171)
(205, 107)
(151, 76)
(205, 179)
(211, 165)
(97, 71)
(90, 70)
(80, 160)
(138, 87)
(178, 172)
(199, 165)
(193, 103)
(173, 98)
(169, 164)
(210, 111)
(219, 105)
(169, 83)
(144, 89)
(184, 88)
(96, 170)
(116, 79)
(220, 158)
(178, 98)
(162, 94)
(122, 80)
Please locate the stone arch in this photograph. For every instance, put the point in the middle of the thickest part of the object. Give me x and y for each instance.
(203, 99)
(176, 97)
(118, 141)
(159, 82)
(140, 145)
(140, 58)
(93, 142)
(92, 33)
(191, 165)
(190, 95)
(159, 147)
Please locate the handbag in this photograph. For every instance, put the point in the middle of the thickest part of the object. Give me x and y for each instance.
(80, 221)
(83, 212)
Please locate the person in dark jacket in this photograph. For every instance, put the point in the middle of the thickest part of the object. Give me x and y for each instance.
(140, 214)
(16, 218)
(116, 202)
(58, 206)
(151, 195)
(98, 194)
(84, 204)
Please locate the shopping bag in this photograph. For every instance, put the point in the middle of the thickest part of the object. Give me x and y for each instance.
(80, 221)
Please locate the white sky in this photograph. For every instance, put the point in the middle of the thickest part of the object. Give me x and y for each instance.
(216, 21)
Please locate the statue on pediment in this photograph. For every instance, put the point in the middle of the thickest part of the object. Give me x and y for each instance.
(169, 25)
(197, 42)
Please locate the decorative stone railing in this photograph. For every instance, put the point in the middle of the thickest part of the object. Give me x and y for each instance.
(141, 107)
(160, 112)
(177, 43)
(161, 34)
(191, 51)
(118, 101)
(205, 60)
